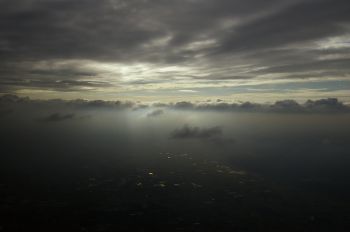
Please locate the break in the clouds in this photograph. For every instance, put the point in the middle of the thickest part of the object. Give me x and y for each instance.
(184, 49)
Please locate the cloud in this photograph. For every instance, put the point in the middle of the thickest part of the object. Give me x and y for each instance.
(184, 105)
(296, 23)
(188, 132)
(58, 117)
(220, 106)
(328, 105)
(11, 98)
(79, 45)
(155, 113)
(211, 134)
(287, 106)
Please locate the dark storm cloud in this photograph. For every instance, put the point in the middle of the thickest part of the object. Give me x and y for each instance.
(57, 117)
(60, 117)
(155, 113)
(188, 132)
(211, 134)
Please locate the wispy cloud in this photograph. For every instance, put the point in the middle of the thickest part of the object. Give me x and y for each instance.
(180, 47)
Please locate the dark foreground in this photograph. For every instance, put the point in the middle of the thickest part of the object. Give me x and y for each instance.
(168, 192)
(124, 170)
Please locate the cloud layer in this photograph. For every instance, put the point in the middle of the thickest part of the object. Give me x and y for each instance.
(329, 105)
(132, 47)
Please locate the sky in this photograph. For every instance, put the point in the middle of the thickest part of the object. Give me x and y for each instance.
(166, 51)
(120, 114)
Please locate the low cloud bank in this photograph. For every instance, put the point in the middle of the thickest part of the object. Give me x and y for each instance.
(329, 105)
(10, 99)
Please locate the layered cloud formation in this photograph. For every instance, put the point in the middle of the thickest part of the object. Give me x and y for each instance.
(146, 50)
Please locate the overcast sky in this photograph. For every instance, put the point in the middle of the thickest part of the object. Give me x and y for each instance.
(166, 50)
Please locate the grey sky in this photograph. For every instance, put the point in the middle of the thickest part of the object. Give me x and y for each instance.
(197, 49)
